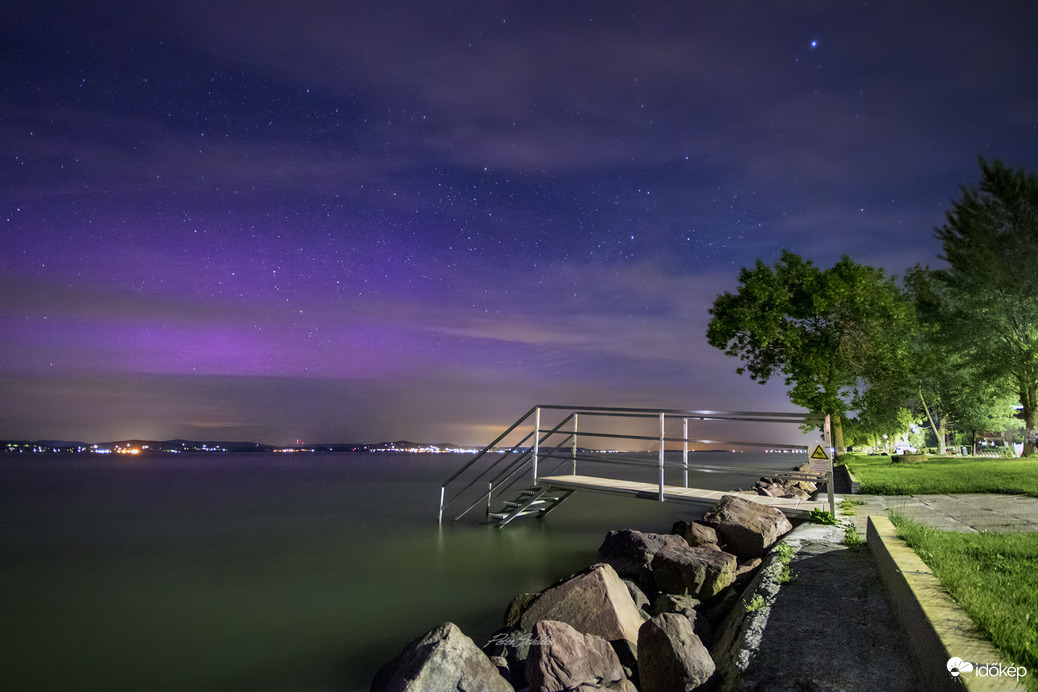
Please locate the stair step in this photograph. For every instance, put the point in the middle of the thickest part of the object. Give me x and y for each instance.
(536, 503)
(504, 515)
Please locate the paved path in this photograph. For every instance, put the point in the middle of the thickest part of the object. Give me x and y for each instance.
(832, 628)
(963, 513)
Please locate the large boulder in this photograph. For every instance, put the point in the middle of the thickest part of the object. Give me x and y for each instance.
(442, 659)
(629, 552)
(670, 656)
(697, 535)
(685, 605)
(561, 658)
(747, 528)
(697, 572)
(594, 601)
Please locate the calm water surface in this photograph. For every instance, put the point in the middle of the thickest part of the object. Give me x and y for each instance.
(265, 571)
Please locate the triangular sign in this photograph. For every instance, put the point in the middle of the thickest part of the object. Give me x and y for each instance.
(819, 453)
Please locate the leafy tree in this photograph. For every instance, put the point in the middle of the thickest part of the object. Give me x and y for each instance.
(954, 393)
(832, 333)
(990, 241)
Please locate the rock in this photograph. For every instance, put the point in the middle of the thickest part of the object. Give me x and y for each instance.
(746, 569)
(442, 659)
(561, 658)
(639, 597)
(687, 606)
(515, 609)
(806, 486)
(670, 655)
(629, 552)
(697, 572)
(746, 527)
(696, 535)
(594, 601)
(503, 651)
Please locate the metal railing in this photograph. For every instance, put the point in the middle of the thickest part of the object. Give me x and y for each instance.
(499, 466)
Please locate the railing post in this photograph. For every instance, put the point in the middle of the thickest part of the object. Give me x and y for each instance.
(684, 450)
(442, 489)
(490, 490)
(574, 444)
(832, 479)
(536, 440)
(662, 424)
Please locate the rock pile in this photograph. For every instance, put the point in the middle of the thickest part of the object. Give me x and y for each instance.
(784, 487)
(640, 620)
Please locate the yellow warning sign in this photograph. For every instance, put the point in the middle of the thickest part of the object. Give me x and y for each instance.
(819, 453)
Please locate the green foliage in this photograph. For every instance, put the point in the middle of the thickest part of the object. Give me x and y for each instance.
(823, 516)
(847, 505)
(852, 538)
(992, 576)
(988, 312)
(832, 334)
(755, 603)
(786, 552)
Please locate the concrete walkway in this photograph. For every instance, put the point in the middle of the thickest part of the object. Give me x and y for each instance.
(832, 628)
(963, 513)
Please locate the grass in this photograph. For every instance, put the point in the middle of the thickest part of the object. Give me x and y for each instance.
(755, 603)
(847, 506)
(822, 516)
(851, 537)
(786, 553)
(993, 577)
(879, 476)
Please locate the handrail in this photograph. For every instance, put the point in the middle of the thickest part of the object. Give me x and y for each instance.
(512, 461)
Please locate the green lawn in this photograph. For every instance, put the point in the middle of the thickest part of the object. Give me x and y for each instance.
(937, 475)
(993, 577)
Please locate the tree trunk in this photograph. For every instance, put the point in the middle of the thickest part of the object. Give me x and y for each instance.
(942, 437)
(1029, 401)
(938, 430)
(837, 424)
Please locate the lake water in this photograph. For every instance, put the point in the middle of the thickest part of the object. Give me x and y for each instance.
(266, 571)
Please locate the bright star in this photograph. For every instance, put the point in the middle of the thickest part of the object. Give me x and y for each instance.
(814, 44)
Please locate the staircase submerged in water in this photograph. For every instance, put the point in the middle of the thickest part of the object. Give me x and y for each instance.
(535, 501)
(526, 470)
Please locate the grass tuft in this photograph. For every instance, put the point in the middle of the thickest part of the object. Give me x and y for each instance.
(993, 577)
(755, 603)
(851, 537)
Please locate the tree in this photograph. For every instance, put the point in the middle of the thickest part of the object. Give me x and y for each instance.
(954, 392)
(832, 334)
(990, 242)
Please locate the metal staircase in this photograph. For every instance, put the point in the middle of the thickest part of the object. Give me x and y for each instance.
(536, 501)
(496, 470)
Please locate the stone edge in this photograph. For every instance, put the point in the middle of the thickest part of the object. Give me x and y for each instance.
(934, 625)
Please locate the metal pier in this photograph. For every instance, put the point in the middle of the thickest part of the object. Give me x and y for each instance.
(537, 471)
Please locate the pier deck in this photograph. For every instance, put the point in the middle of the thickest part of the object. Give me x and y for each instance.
(651, 491)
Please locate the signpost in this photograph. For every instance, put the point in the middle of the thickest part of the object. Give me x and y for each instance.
(820, 456)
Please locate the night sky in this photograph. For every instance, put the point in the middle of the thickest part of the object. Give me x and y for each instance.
(336, 221)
